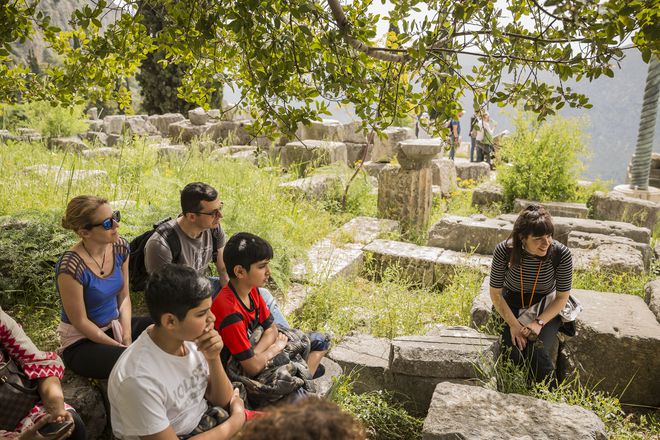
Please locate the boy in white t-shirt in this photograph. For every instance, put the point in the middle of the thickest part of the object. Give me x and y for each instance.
(164, 383)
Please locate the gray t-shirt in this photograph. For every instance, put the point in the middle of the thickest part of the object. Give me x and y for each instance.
(195, 252)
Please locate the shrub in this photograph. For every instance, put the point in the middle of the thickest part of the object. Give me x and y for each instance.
(545, 160)
(51, 121)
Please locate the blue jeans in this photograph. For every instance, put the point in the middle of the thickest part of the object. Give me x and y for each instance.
(268, 297)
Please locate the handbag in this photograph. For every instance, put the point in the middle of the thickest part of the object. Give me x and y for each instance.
(568, 316)
(18, 394)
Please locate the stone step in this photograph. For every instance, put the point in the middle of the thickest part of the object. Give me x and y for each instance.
(365, 356)
(467, 412)
(556, 209)
(425, 265)
(616, 348)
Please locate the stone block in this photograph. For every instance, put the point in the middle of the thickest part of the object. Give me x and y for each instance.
(477, 233)
(92, 113)
(374, 168)
(385, 147)
(652, 297)
(417, 263)
(5, 136)
(198, 116)
(476, 171)
(415, 154)
(28, 134)
(95, 125)
(616, 257)
(618, 207)
(353, 133)
(138, 126)
(313, 153)
(585, 240)
(449, 260)
(364, 230)
(418, 363)
(114, 124)
(114, 139)
(564, 225)
(556, 209)
(184, 131)
(444, 175)
(88, 402)
(313, 187)
(247, 156)
(486, 194)
(101, 152)
(323, 130)
(171, 151)
(96, 137)
(616, 347)
(355, 152)
(467, 412)
(324, 383)
(72, 143)
(295, 297)
(406, 195)
(482, 306)
(367, 357)
(162, 122)
(326, 261)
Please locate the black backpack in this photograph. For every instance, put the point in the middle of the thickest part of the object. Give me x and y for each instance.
(137, 270)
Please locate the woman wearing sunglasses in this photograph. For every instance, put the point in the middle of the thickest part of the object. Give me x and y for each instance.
(92, 280)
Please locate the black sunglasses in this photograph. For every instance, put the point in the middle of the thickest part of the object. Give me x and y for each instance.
(108, 222)
(214, 213)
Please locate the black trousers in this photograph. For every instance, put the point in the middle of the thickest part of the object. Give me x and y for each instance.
(89, 359)
(79, 430)
(536, 354)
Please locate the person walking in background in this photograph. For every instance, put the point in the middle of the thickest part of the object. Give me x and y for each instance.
(92, 281)
(484, 137)
(455, 134)
(473, 137)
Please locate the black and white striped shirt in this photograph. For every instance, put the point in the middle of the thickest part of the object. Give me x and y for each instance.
(501, 276)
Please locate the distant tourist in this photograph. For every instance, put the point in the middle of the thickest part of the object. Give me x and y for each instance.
(170, 383)
(530, 282)
(455, 134)
(473, 137)
(484, 137)
(92, 280)
(49, 413)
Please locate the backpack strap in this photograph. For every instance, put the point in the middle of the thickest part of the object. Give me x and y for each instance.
(215, 235)
(166, 230)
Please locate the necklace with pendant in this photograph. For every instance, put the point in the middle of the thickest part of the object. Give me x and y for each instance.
(100, 266)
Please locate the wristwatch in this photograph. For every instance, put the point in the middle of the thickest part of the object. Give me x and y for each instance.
(540, 322)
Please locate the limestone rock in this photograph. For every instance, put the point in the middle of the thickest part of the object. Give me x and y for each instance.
(617, 342)
(96, 137)
(466, 233)
(101, 152)
(95, 124)
(364, 230)
(482, 306)
(476, 171)
(652, 297)
(184, 131)
(486, 194)
(92, 113)
(366, 356)
(5, 136)
(173, 151)
(71, 143)
(406, 195)
(88, 402)
(374, 168)
(564, 225)
(618, 207)
(385, 148)
(313, 153)
(162, 122)
(113, 139)
(28, 135)
(415, 154)
(323, 130)
(114, 124)
(312, 187)
(355, 152)
(475, 413)
(247, 155)
(585, 240)
(295, 297)
(198, 116)
(556, 209)
(138, 126)
(326, 261)
(353, 133)
(444, 175)
(614, 257)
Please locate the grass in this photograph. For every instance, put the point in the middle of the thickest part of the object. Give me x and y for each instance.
(608, 281)
(389, 308)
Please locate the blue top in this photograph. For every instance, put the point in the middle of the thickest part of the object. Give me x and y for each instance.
(99, 294)
(454, 123)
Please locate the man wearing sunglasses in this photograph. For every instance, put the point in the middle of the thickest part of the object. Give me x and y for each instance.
(202, 240)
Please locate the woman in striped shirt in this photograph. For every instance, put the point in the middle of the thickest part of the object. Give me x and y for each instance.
(530, 282)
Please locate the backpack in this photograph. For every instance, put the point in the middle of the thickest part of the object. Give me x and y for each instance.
(137, 270)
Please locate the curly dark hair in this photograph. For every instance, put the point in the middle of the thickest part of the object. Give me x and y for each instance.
(310, 419)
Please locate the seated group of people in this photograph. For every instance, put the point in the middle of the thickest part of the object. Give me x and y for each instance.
(212, 348)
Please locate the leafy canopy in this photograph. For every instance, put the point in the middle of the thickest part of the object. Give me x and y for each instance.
(290, 59)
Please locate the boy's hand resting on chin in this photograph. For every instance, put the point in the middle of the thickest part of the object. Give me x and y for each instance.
(209, 343)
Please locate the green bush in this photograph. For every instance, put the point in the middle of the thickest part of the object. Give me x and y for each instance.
(50, 121)
(544, 160)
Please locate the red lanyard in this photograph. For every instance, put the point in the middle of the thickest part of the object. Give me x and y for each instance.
(538, 271)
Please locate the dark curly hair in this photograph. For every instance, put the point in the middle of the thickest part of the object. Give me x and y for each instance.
(310, 419)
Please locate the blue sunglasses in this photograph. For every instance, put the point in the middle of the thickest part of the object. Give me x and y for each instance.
(108, 222)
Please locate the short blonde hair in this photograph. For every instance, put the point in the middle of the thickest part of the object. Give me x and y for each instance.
(80, 210)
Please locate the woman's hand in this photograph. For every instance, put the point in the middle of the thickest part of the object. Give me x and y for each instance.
(519, 335)
(32, 432)
(534, 327)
